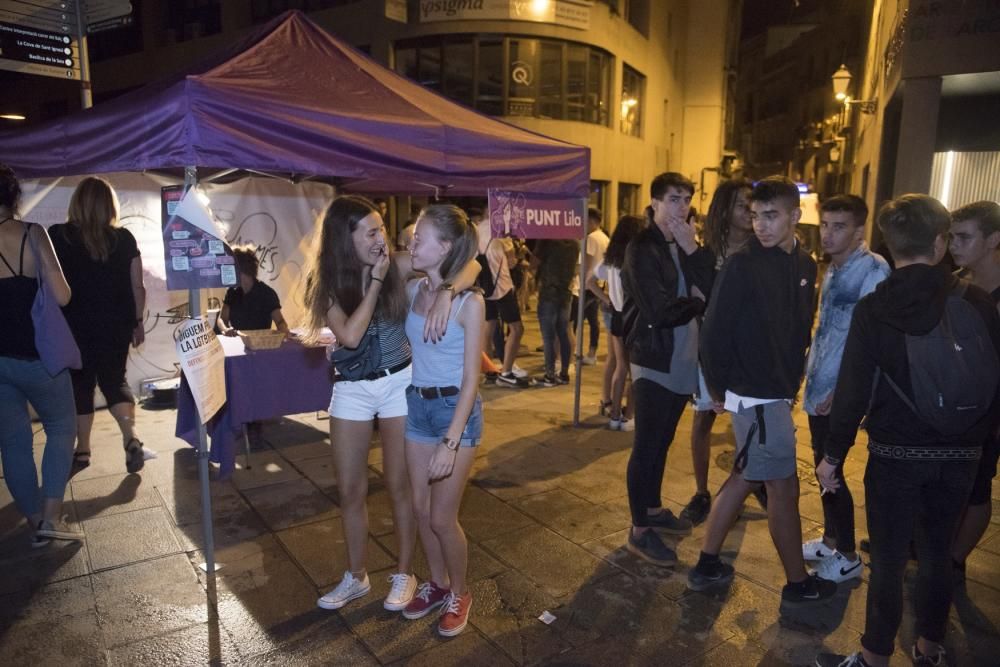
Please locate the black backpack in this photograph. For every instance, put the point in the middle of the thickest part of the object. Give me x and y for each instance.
(953, 368)
(485, 281)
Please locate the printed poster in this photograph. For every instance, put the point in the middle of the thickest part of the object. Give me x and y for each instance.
(203, 364)
(533, 216)
(196, 255)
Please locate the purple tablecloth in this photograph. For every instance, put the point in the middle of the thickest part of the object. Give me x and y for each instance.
(261, 384)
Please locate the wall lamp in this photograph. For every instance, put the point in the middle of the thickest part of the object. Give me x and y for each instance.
(841, 81)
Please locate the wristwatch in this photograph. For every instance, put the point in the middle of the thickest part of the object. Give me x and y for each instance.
(450, 443)
(446, 287)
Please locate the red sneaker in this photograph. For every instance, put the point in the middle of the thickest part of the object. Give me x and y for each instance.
(429, 596)
(454, 614)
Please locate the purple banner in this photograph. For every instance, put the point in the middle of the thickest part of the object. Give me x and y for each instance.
(533, 216)
(194, 258)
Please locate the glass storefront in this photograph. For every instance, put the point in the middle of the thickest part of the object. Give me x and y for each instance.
(513, 76)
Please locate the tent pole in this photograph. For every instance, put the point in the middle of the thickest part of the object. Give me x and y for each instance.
(194, 308)
(578, 352)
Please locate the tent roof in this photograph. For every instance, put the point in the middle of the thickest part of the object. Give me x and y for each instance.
(295, 99)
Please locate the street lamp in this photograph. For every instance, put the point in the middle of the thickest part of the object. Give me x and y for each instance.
(841, 81)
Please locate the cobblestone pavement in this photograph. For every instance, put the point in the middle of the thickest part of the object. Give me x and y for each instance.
(546, 516)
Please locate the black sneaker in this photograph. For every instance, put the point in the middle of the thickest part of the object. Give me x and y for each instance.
(837, 660)
(697, 508)
(921, 659)
(564, 378)
(508, 380)
(812, 589)
(548, 381)
(651, 548)
(704, 575)
(668, 523)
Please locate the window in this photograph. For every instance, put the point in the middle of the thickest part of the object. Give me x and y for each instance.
(599, 200)
(633, 87)
(628, 199)
(512, 76)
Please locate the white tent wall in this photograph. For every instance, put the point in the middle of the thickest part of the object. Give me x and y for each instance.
(275, 215)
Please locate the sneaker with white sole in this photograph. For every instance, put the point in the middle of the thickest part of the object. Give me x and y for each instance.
(590, 360)
(348, 589)
(454, 614)
(518, 371)
(429, 596)
(838, 568)
(403, 586)
(57, 530)
(816, 550)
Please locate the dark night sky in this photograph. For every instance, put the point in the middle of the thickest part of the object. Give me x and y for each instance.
(759, 14)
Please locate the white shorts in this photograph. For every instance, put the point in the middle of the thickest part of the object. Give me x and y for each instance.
(362, 400)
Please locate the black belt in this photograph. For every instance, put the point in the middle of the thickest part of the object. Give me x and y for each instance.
(435, 392)
(925, 453)
(384, 372)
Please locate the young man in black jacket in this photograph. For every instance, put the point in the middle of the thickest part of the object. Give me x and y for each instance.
(753, 351)
(665, 278)
(918, 479)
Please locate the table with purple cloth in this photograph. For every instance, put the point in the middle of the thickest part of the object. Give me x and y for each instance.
(260, 384)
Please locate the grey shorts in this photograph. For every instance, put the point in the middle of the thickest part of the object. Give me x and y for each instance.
(770, 453)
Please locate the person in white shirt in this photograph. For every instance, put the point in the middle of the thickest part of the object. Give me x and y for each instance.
(597, 245)
(501, 303)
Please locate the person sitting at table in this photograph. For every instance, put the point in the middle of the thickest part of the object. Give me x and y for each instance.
(251, 304)
(357, 289)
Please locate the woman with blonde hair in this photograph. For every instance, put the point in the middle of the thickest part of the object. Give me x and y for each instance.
(103, 266)
(445, 420)
(356, 288)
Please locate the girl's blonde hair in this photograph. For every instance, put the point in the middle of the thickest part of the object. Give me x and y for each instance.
(93, 208)
(452, 224)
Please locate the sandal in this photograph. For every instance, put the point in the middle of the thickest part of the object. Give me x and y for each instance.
(81, 459)
(135, 459)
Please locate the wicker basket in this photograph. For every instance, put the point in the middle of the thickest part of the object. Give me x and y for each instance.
(262, 339)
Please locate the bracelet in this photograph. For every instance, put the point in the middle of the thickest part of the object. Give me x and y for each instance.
(378, 279)
(450, 443)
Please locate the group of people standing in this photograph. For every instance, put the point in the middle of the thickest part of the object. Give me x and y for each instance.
(912, 350)
(92, 268)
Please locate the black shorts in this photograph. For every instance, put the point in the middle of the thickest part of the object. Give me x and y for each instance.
(982, 488)
(617, 324)
(505, 308)
(104, 369)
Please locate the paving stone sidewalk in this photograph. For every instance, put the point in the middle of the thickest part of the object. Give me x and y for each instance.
(546, 516)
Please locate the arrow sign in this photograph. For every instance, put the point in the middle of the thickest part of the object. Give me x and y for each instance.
(42, 20)
(109, 24)
(98, 11)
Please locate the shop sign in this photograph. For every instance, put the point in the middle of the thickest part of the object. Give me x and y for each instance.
(569, 13)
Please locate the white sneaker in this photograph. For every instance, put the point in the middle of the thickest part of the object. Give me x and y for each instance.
(401, 592)
(518, 371)
(816, 550)
(837, 568)
(590, 360)
(627, 425)
(348, 589)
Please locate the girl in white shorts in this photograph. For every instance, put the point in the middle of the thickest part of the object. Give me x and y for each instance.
(356, 288)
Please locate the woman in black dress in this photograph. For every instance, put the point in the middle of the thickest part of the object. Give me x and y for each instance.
(104, 269)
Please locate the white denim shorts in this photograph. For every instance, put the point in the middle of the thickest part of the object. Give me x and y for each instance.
(363, 400)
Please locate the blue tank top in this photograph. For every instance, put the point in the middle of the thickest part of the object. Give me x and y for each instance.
(436, 364)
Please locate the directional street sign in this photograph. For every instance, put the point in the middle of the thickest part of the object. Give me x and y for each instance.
(54, 15)
(34, 51)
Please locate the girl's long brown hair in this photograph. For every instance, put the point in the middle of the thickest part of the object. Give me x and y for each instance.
(336, 272)
(93, 208)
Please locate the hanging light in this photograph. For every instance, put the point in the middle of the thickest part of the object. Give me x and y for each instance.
(841, 80)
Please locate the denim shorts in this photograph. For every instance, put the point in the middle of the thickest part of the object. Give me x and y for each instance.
(428, 419)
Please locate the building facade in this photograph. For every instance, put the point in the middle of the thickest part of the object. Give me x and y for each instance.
(932, 87)
(644, 84)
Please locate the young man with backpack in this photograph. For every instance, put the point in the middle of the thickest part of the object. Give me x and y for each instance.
(853, 273)
(975, 247)
(921, 359)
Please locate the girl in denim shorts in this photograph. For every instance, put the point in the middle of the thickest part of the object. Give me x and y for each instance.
(355, 287)
(445, 419)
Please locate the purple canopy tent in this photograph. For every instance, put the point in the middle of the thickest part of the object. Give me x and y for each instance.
(290, 98)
